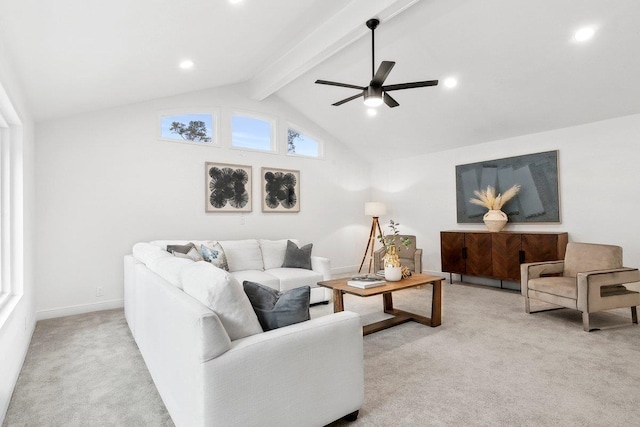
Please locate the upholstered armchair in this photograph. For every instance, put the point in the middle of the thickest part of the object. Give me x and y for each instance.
(410, 256)
(590, 279)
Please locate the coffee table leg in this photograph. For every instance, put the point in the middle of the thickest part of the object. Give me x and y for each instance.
(338, 302)
(436, 304)
(387, 302)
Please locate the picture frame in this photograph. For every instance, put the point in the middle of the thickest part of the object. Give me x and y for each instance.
(228, 187)
(538, 200)
(280, 190)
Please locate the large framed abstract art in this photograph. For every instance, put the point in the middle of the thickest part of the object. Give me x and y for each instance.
(537, 174)
(227, 187)
(280, 190)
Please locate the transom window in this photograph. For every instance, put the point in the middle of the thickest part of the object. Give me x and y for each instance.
(193, 128)
(253, 133)
(300, 144)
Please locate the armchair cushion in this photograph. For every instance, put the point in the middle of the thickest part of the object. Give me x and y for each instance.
(588, 257)
(561, 286)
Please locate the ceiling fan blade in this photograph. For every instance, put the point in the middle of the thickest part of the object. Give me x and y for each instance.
(326, 82)
(410, 85)
(389, 100)
(351, 98)
(383, 71)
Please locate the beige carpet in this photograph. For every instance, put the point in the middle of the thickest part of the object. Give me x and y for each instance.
(489, 364)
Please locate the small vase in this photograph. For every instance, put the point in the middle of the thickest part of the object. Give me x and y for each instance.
(392, 268)
(495, 220)
(392, 274)
(390, 258)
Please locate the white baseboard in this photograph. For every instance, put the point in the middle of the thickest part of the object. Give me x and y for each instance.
(79, 309)
(350, 269)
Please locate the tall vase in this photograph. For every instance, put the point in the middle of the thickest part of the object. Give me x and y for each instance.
(495, 220)
(392, 267)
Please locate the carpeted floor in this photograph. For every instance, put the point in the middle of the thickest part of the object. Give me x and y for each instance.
(489, 364)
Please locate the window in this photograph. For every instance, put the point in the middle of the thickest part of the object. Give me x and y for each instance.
(253, 133)
(191, 128)
(10, 207)
(299, 144)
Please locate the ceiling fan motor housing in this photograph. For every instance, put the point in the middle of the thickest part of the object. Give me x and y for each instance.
(374, 92)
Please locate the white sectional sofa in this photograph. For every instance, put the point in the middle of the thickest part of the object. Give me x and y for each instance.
(305, 374)
(260, 261)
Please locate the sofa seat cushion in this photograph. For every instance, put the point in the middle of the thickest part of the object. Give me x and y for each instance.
(243, 254)
(257, 276)
(278, 309)
(290, 278)
(222, 293)
(563, 286)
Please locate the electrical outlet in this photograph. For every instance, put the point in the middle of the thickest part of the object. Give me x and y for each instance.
(99, 291)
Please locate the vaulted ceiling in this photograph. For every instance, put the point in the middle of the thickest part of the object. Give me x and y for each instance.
(518, 67)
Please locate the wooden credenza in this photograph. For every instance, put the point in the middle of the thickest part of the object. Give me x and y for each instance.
(497, 255)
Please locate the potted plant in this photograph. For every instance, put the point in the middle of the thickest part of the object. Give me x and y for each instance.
(494, 219)
(391, 262)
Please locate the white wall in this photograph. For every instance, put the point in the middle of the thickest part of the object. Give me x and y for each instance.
(17, 328)
(598, 172)
(105, 182)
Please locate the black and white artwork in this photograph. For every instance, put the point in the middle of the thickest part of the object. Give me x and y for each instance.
(538, 198)
(280, 190)
(227, 187)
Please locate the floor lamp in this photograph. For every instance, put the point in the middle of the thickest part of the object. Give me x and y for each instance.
(376, 210)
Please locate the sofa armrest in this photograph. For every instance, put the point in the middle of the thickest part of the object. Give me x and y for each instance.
(533, 270)
(417, 260)
(591, 282)
(322, 265)
(314, 368)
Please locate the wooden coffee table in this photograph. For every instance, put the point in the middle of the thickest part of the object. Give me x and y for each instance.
(340, 287)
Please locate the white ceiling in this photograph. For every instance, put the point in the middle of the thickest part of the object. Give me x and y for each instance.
(519, 70)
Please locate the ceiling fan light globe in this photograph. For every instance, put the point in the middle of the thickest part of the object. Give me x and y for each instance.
(373, 101)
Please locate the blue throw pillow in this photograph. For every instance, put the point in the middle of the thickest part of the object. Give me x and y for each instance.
(215, 256)
(277, 309)
(295, 257)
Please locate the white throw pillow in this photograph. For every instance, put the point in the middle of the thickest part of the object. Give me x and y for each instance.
(273, 252)
(218, 290)
(243, 254)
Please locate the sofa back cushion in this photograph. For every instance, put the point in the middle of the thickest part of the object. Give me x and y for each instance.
(161, 262)
(582, 257)
(243, 254)
(223, 294)
(273, 252)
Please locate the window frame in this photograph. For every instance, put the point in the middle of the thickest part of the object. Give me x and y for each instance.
(215, 120)
(11, 208)
(302, 131)
(273, 134)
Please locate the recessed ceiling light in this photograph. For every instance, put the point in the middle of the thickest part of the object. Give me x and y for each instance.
(372, 112)
(584, 34)
(450, 82)
(186, 64)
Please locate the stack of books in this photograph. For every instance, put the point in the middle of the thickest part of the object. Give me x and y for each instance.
(366, 281)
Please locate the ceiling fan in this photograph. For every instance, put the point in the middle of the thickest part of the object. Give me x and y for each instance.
(375, 94)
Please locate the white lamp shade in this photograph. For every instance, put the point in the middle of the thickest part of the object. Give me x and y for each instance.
(375, 209)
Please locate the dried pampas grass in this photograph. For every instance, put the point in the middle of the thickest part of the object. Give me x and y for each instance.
(488, 199)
